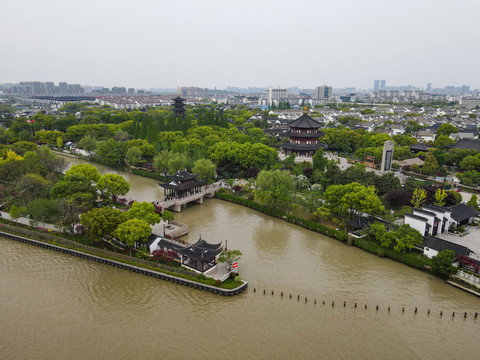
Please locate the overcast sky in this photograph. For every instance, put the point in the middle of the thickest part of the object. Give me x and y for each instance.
(208, 43)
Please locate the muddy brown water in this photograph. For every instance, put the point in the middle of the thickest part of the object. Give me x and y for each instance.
(54, 306)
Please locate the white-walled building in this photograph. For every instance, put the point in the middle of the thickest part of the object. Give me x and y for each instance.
(433, 245)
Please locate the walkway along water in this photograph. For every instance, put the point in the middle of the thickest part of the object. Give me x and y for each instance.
(121, 265)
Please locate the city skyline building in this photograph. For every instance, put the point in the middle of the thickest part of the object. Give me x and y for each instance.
(323, 92)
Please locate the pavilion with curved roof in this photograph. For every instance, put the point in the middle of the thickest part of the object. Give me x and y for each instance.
(304, 134)
(200, 256)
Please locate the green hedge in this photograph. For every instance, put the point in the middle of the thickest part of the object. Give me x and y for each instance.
(310, 225)
(413, 259)
(148, 174)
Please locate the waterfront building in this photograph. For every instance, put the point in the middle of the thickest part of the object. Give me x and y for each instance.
(182, 184)
(304, 135)
(200, 256)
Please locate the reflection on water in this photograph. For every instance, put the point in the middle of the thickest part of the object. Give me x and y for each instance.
(56, 306)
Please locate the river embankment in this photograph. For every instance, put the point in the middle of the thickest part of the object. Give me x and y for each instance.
(164, 272)
(60, 306)
(412, 259)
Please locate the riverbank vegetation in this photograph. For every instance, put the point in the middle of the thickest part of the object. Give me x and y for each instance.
(57, 240)
(218, 143)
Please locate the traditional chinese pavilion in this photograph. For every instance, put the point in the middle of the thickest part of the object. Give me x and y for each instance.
(200, 256)
(182, 184)
(304, 135)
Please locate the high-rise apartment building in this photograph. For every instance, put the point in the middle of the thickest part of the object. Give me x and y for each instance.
(323, 92)
(278, 93)
(379, 85)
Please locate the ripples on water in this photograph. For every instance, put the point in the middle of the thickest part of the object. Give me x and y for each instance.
(96, 311)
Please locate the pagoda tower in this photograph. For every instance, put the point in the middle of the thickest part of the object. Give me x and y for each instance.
(179, 106)
(304, 136)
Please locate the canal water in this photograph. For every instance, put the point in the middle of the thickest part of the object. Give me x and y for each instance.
(57, 306)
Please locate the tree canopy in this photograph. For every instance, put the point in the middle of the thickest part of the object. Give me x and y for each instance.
(274, 188)
(442, 263)
(113, 184)
(102, 222)
(352, 199)
(143, 211)
(89, 172)
(133, 230)
(205, 169)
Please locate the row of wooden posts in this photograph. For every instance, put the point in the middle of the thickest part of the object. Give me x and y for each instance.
(365, 307)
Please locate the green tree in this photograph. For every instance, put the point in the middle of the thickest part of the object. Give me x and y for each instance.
(70, 210)
(446, 129)
(352, 199)
(387, 183)
(415, 168)
(230, 257)
(406, 238)
(143, 211)
(319, 161)
(442, 263)
(31, 187)
(322, 213)
(430, 165)
(470, 178)
(160, 161)
(133, 156)
(88, 143)
(419, 197)
(133, 231)
(377, 230)
(102, 222)
(113, 184)
(177, 162)
(273, 188)
(440, 196)
(442, 141)
(89, 172)
(112, 151)
(473, 202)
(48, 137)
(470, 163)
(16, 212)
(167, 216)
(42, 209)
(205, 169)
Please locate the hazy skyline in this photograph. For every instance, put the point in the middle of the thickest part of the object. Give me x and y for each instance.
(219, 43)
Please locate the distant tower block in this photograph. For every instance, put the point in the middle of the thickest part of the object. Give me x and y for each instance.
(387, 155)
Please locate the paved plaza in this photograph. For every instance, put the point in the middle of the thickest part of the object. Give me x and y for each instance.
(471, 240)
